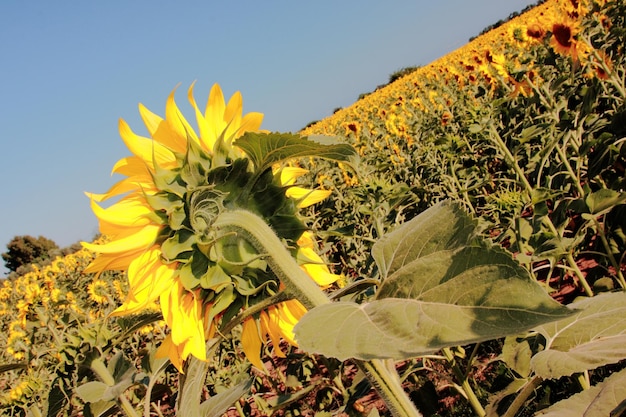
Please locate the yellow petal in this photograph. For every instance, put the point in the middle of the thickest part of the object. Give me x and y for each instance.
(131, 166)
(289, 313)
(111, 262)
(128, 212)
(214, 113)
(144, 238)
(148, 278)
(169, 350)
(306, 240)
(207, 133)
(269, 325)
(320, 274)
(150, 151)
(288, 175)
(251, 122)
(124, 186)
(305, 197)
(234, 108)
(182, 311)
(251, 343)
(151, 120)
(179, 127)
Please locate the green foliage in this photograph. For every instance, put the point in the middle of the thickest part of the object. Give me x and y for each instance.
(439, 288)
(23, 250)
(605, 399)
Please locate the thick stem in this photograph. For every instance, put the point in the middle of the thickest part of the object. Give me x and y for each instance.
(389, 387)
(465, 385)
(301, 287)
(522, 397)
(581, 278)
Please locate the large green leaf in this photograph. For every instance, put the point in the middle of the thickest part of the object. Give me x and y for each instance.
(442, 227)
(593, 337)
(400, 329)
(442, 287)
(601, 400)
(267, 149)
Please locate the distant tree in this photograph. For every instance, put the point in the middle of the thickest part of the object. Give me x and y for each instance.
(311, 123)
(23, 250)
(401, 73)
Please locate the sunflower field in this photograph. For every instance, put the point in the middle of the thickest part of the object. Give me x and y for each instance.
(452, 244)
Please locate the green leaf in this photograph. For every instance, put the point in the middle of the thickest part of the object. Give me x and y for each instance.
(593, 337)
(399, 329)
(444, 226)
(441, 288)
(219, 403)
(267, 149)
(516, 354)
(92, 391)
(604, 200)
(601, 400)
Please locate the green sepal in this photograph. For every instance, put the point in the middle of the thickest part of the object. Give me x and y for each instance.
(248, 288)
(187, 278)
(169, 208)
(232, 177)
(287, 226)
(214, 278)
(169, 180)
(179, 246)
(195, 166)
(222, 301)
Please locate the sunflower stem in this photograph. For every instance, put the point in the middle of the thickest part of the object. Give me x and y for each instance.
(523, 395)
(465, 385)
(299, 285)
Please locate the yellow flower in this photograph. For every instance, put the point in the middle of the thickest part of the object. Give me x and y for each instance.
(159, 230)
(97, 291)
(565, 39)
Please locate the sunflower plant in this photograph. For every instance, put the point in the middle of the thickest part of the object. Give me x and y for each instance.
(207, 226)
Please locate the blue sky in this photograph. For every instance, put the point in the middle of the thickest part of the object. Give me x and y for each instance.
(70, 69)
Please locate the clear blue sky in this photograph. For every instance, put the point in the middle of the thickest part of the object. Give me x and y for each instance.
(70, 69)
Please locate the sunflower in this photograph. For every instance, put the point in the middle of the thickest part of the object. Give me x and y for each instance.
(565, 39)
(97, 291)
(177, 182)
